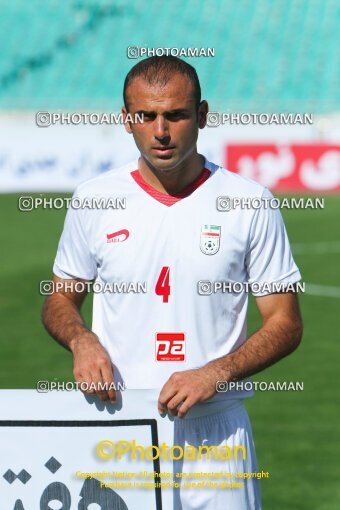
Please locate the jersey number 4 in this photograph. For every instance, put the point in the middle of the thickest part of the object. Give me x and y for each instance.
(163, 286)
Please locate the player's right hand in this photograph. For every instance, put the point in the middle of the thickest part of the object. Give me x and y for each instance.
(92, 365)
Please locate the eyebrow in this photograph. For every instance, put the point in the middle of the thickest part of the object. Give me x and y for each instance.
(175, 110)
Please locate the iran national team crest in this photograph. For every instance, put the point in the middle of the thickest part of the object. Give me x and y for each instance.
(210, 239)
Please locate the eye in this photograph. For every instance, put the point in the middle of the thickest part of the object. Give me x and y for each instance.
(176, 116)
(149, 116)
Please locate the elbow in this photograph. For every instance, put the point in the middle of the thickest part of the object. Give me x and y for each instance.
(297, 333)
(45, 313)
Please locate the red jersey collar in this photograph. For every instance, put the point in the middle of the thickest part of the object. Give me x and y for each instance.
(164, 198)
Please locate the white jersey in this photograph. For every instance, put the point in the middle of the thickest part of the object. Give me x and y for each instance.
(169, 245)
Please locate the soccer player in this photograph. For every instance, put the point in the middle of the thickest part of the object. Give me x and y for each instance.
(181, 336)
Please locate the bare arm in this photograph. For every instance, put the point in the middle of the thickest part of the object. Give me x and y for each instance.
(62, 319)
(279, 335)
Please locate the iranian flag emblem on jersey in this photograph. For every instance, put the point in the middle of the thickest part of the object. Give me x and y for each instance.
(210, 239)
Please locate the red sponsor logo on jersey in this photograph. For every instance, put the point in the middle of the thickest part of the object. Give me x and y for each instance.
(170, 346)
(118, 237)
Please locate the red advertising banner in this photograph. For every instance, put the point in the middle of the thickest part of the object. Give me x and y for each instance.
(287, 167)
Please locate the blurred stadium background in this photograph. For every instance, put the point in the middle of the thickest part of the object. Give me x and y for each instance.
(270, 56)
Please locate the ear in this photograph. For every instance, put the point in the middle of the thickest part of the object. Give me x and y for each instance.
(127, 124)
(202, 114)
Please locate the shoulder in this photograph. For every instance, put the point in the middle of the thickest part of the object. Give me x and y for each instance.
(234, 184)
(114, 181)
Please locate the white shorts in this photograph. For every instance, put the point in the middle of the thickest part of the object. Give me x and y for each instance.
(229, 426)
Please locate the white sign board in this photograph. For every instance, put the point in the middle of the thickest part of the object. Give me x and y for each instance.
(64, 451)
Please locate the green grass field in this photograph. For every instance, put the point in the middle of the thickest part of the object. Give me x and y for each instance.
(296, 433)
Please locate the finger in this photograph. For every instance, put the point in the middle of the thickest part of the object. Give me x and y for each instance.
(107, 376)
(84, 381)
(175, 402)
(167, 393)
(184, 407)
(100, 390)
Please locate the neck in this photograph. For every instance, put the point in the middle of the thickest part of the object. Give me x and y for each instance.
(175, 180)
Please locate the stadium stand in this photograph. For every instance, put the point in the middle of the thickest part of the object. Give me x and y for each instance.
(268, 55)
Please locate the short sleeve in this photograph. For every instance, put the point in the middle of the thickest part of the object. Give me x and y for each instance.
(269, 258)
(74, 258)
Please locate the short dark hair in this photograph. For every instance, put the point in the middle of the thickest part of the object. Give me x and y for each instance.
(158, 71)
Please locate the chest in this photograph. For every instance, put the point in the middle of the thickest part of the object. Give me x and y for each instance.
(195, 239)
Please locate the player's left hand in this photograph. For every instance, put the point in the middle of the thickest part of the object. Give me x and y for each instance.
(185, 389)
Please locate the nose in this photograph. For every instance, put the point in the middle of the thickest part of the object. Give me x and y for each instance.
(161, 132)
